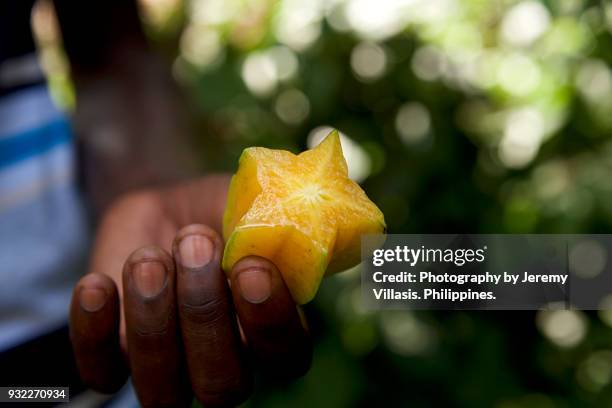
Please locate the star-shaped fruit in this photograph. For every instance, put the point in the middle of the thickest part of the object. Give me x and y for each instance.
(301, 212)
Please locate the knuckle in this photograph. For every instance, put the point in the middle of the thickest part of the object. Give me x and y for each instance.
(152, 329)
(148, 321)
(206, 311)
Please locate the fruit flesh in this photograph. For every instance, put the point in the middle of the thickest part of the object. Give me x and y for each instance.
(301, 212)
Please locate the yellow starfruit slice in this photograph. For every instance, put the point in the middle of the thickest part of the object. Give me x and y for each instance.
(301, 212)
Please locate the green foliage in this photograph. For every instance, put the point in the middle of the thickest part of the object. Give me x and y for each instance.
(466, 116)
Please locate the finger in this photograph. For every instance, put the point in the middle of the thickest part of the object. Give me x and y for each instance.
(218, 372)
(94, 332)
(270, 318)
(156, 360)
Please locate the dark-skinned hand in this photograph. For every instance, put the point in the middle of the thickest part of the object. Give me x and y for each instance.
(157, 306)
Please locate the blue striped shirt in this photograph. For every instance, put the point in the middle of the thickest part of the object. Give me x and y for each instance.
(43, 233)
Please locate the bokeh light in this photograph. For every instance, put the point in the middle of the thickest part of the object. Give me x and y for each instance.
(524, 23)
(368, 61)
(587, 259)
(158, 13)
(523, 133)
(428, 63)
(406, 335)
(201, 46)
(564, 328)
(413, 123)
(595, 372)
(605, 310)
(299, 23)
(376, 20)
(594, 80)
(518, 74)
(292, 106)
(357, 159)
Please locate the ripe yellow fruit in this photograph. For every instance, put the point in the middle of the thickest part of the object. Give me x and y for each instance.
(301, 212)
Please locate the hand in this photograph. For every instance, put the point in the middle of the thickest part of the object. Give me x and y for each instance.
(156, 304)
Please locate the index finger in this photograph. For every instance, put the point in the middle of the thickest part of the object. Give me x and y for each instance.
(270, 318)
(219, 373)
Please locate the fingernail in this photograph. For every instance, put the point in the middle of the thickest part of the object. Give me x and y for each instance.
(195, 251)
(149, 278)
(255, 285)
(92, 299)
